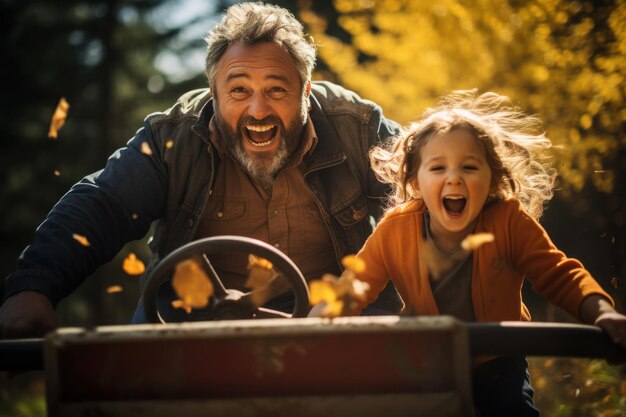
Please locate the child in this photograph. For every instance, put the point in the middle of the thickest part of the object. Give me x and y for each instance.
(473, 165)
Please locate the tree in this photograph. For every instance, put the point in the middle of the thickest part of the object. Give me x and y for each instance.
(99, 55)
(561, 60)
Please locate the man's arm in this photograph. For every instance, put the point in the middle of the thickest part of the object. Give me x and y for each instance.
(84, 230)
(26, 314)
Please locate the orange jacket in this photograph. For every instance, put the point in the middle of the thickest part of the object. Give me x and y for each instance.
(522, 249)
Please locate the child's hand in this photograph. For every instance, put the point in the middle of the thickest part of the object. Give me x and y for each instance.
(614, 324)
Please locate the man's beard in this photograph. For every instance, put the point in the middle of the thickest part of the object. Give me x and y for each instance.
(262, 164)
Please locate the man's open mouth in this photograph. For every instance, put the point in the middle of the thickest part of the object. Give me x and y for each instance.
(260, 136)
(454, 205)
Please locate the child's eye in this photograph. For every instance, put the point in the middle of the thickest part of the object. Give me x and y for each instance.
(436, 168)
(470, 167)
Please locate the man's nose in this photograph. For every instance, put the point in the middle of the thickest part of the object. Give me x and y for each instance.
(259, 107)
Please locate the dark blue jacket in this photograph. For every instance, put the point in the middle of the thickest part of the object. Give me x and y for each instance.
(171, 185)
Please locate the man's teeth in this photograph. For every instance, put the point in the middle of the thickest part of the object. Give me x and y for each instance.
(260, 144)
(256, 128)
(260, 129)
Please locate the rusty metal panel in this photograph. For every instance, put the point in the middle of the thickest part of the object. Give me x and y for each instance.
(358, 362)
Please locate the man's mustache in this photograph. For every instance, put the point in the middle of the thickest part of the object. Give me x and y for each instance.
(251, 121)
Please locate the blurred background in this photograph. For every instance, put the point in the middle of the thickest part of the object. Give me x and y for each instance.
(116, 61)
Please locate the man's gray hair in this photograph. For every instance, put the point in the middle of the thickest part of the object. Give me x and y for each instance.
(252, 23)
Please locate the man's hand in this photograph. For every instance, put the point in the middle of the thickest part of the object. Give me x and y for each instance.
(26, 314)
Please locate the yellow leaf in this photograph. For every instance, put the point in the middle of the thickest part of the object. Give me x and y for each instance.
(169, 143)
(57, 173)
(181, 304)
(333, 309)
(114, 289)
(473, 242)
(322, 291)
(586, 121)
(81, 239)
(191, 284)
(133, 265)
(260, 272)
(353, 263)
(58, 118)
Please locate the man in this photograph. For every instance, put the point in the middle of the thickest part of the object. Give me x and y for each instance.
(263, 153)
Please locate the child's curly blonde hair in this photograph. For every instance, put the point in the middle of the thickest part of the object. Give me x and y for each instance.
(513, 142)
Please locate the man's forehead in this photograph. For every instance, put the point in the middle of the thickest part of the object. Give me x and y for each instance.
(267, 60)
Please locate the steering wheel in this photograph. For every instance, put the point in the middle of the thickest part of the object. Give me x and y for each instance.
(228, 304)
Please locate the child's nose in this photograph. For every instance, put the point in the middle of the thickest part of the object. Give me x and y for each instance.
(454, 178)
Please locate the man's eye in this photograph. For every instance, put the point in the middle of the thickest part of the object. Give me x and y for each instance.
(238, 92)
(277, 92)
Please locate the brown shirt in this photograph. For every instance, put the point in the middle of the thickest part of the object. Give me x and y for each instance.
(285, 216)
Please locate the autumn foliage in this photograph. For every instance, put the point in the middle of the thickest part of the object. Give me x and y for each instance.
(563, 60)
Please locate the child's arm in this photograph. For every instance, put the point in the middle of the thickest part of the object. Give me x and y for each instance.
(597, 310)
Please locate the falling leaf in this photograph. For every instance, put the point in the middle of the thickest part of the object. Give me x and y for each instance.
(57, 173)
(145, 148)
(192, 285)
(322, 291)
(181, 304)
(261, 272)
(81, 239)
(615, 282)
(473, 242)
(134, 216)
(114, 289)
(353, 263)
(264, 281)
(334, 309)
(58, 118)
(169, 143)
(133, 265)
(340, 296)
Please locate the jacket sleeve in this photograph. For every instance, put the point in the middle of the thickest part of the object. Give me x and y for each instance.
(109, 208)
(563, 281)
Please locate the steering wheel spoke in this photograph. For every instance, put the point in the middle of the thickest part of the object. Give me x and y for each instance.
(219, 290)
(268, 313)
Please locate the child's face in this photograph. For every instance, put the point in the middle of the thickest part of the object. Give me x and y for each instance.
(453, 180)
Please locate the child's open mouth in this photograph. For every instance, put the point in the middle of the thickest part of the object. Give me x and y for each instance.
(260, 136)
(454, 205)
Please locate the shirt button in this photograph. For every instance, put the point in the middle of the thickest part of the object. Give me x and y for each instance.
(277, 245)
(220, 214)
(275, 212)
